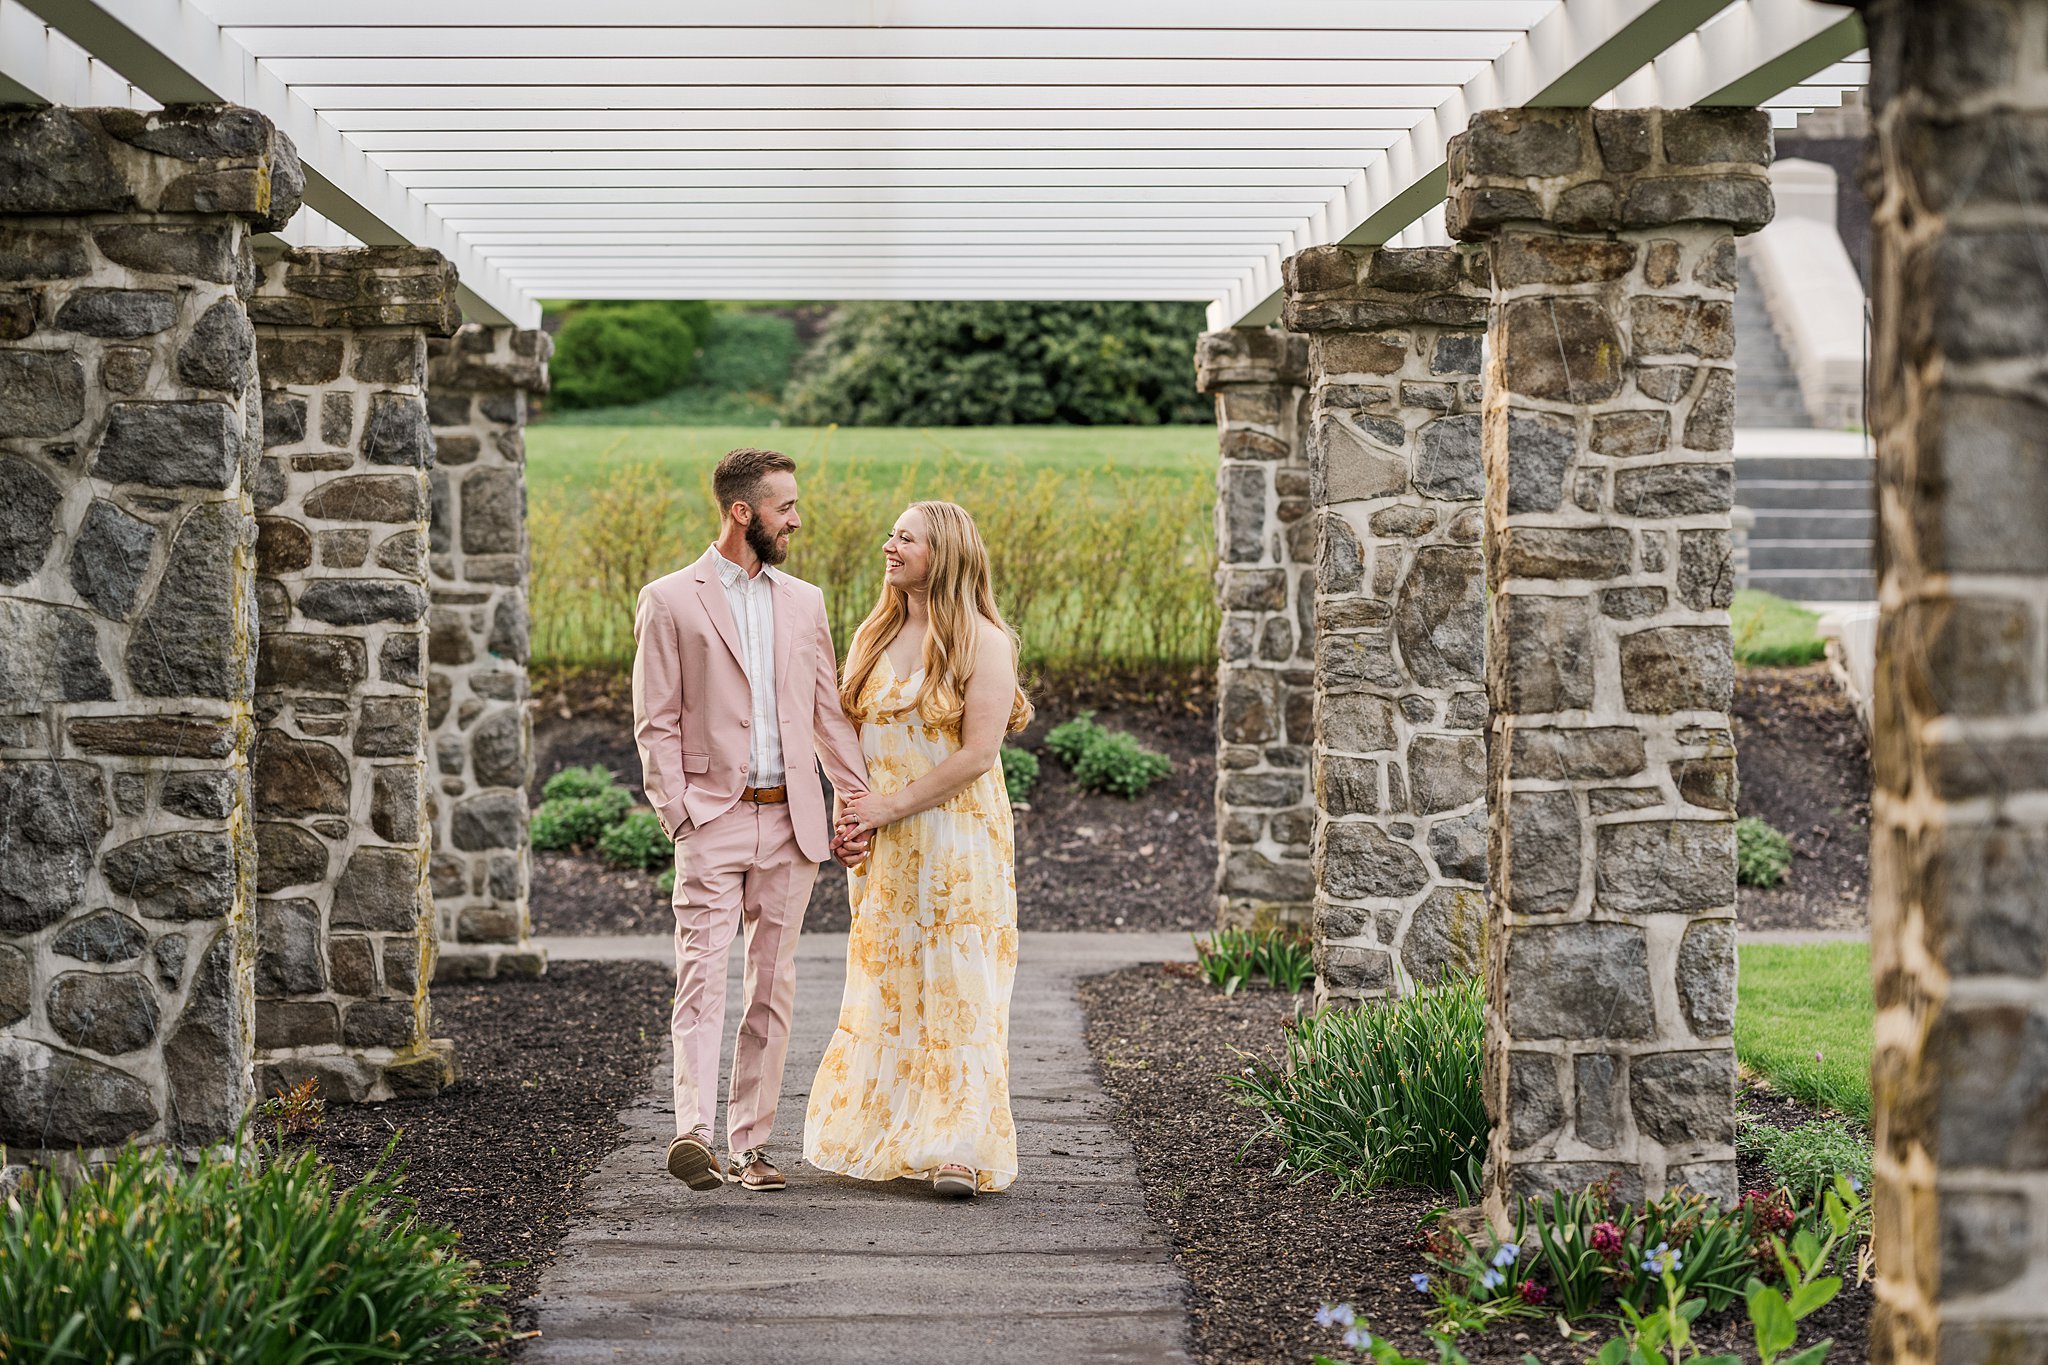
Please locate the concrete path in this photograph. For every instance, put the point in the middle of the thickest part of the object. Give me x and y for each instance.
(1063, 1267)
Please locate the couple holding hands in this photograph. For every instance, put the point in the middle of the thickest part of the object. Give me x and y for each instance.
(737, 700)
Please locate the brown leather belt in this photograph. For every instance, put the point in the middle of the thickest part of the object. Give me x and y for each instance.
(765, 796)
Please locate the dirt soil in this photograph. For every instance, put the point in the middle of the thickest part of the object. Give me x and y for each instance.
(1084, 860)
(1087, 861)
(1805, 768)
(546, 1064)
(1263, 1252)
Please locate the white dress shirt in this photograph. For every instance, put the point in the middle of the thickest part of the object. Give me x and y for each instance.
(752, 599)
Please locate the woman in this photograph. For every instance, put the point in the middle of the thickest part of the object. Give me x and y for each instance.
(915, 1083)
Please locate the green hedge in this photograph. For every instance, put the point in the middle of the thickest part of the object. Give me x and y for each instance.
(607, 353)
(1001, 364)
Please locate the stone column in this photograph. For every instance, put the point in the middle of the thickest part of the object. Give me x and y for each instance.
(1400, 761)
(1609, 418)
(345, 926)
(1265, 547)
(128, 425)
(1959, 749)
(479, 382)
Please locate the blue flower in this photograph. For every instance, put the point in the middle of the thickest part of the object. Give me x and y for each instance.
(1855, 1184)
(1506, 1255)
(1358, 1339)
(1421, 1283)
(1492, 1279)
(1335, 1315)
(1661, 1260)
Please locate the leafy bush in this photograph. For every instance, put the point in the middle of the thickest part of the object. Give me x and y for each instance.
(743, 364)
(578, 821)
(959, 364)
(1070, 739)
(623, 353)
(1763, 856)
(1225, 958)
(247, 1257)
(594, 780)
(1020, 773)
(1105, 760)
(638, 842)
(1387, 1093)
(1807, 1159)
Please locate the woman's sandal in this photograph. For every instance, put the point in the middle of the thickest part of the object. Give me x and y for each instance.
(954, 1182)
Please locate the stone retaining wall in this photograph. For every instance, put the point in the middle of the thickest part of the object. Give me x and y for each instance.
(1959, 751)
(1400, 762)
(1608, 425)
(479, 382)
(129, 427)
(345, 926)
(1266, 544)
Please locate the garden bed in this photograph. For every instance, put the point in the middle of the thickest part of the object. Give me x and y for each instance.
(546, 1065)
(1805, 768)
(1084, 860)
(1263, 1252)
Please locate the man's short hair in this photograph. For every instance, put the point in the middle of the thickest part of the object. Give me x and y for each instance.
(739, 475)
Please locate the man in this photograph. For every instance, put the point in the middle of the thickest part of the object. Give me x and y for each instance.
(735, 701)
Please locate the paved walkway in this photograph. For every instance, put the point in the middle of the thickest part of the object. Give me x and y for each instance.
(1063, 1267)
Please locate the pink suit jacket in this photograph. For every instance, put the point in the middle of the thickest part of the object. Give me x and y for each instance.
(692, 707)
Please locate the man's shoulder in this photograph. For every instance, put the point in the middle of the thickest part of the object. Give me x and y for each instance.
(801, 587)
(671, 583)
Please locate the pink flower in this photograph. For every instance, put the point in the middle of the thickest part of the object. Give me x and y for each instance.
(1606, 1239)
(1533, 1292)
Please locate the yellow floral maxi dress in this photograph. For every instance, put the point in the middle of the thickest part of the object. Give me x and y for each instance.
(917, 1076)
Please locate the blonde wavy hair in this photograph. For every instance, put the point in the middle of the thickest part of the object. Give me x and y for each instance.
(960, 595)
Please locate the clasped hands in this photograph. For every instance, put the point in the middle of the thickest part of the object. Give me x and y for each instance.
(860, 815)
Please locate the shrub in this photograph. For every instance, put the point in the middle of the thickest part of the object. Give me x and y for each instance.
(1225, 958)
(637, 842)
(1106, 760)
(1386, 1093)
(1763, 856)
(1020, 773)
(248, 1256)
(962, 364)
(1229, 957)
(622, 353)
(594, 780)
(578, 821)
(1807, 1159)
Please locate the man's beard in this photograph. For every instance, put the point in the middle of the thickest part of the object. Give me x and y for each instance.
(765, 546)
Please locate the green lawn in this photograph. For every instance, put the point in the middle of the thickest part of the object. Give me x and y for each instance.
(1804, 1020)
(564, 461)
(1771, 630)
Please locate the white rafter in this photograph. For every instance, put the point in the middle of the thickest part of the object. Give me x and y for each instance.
(1167, 149)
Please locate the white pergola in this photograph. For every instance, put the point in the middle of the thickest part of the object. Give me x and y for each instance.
(839, 149)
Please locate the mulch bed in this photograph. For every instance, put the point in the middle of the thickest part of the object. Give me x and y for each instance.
(1084, 860)
(1805, 768)
(546, 1065)
(1263, 1252)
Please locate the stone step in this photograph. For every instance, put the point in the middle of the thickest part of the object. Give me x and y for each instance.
(1802, 495)
(1766, 386)
(1802, 585)
(1833, 556)
(1820, 468)
(1807, 523)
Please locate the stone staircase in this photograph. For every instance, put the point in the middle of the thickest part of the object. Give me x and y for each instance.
(1811, 491)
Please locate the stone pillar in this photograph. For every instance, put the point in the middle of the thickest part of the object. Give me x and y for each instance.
(344, 924)
(1959, 749)
(1609, 419)
(1400, 761)
(479, 383)
(1265, 544)
(128, 425)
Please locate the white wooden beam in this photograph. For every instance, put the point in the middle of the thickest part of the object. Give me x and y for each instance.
(175, 52)
(1750, 52)
(39, 65)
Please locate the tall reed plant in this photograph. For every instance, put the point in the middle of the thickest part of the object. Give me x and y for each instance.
(249, 1257)
(1097, 572)
(1387, 1093)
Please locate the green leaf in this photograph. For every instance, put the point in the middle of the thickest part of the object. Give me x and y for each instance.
(1776, 1329)
(1812, 1355)
(1614, 1352)
(1809, 1298)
